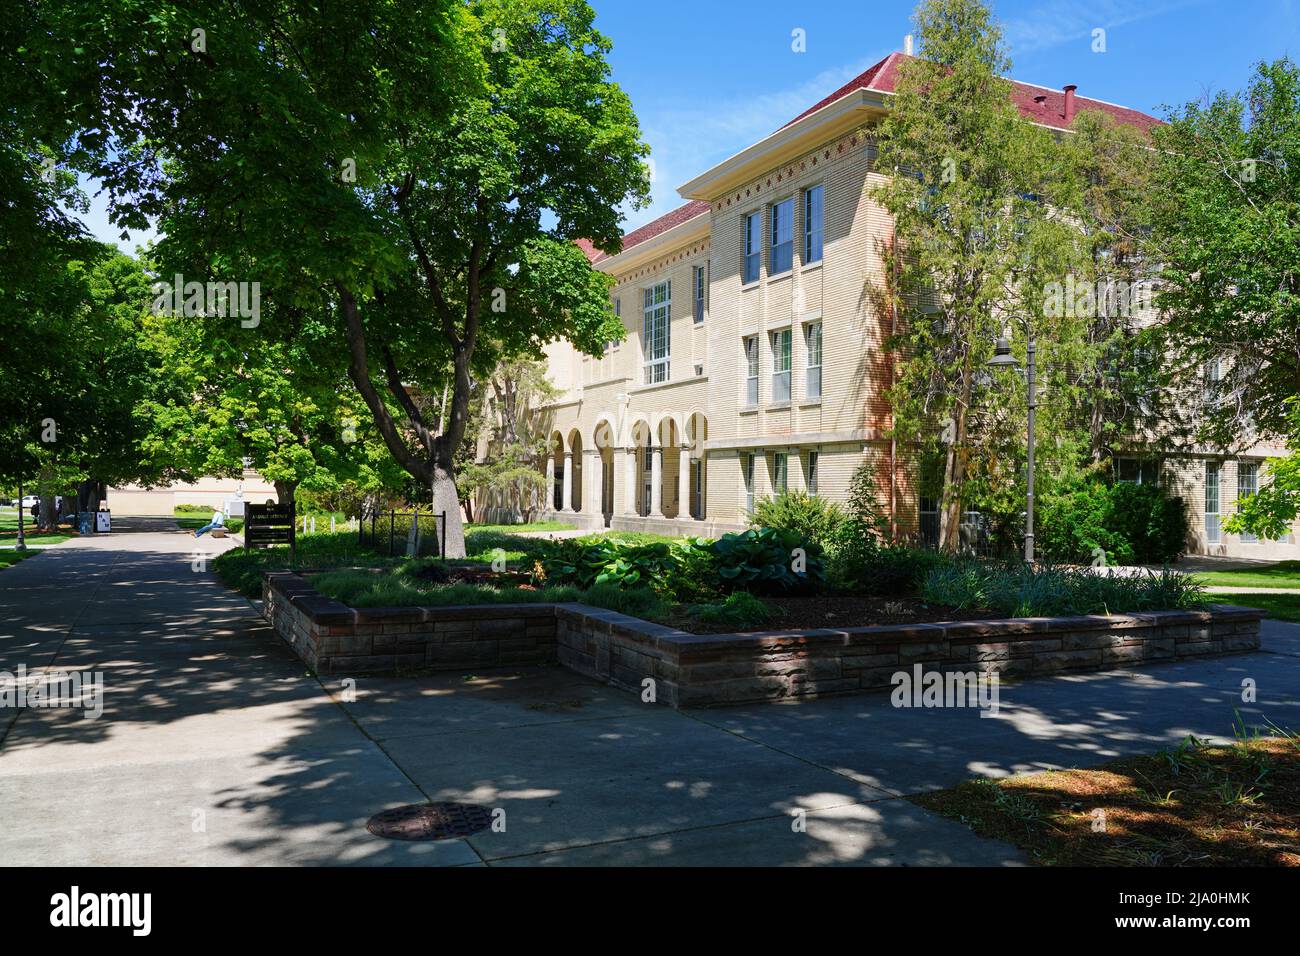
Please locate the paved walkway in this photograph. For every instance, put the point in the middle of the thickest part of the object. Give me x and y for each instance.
(216, 748)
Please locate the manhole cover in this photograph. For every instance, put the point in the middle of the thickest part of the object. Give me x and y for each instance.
(430, 821)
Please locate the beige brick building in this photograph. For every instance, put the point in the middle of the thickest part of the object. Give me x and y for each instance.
(754, 359)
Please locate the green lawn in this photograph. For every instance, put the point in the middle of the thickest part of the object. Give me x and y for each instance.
(10, 557)
(520, 528)
(1283, 607)
(1283, 574)
(9, 530)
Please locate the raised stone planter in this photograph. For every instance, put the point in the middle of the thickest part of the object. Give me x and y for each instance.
(689, 670)
(333, 638)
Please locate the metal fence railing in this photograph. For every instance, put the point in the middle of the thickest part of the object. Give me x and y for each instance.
(411, 533)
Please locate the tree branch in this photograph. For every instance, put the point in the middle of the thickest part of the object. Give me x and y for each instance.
(359, 372)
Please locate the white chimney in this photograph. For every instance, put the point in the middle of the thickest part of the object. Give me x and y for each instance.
(907, 44)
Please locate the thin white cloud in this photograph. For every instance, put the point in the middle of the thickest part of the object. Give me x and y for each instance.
(1059, 22)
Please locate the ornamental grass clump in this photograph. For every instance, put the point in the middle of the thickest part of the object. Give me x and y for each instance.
(1021, 590)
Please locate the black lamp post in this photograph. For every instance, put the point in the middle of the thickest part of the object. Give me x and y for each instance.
(1002, 358)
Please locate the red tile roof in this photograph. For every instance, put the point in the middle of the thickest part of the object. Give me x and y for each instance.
(883, 76)
(681, 214)
(1038, 103)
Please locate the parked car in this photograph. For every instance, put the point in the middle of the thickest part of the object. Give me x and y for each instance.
(29, 500)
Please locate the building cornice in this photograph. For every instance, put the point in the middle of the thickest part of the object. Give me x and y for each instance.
(832, 120)
(684, 234)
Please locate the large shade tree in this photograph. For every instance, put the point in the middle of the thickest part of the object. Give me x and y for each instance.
(1227, 230)
(1227, 227)
(416, 170)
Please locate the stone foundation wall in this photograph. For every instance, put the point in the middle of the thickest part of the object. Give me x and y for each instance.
(689, 670)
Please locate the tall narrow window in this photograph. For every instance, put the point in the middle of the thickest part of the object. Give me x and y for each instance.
(697, 484)
(701, 292)
(813, 340)
(781, 366)
(751, 366)
(812, 472)
(747, 473)
(782, 257)
(1213, 521)
(753, 242)
(813, 214)
(654, 335)
(1213, 381)
(611, 346)
(1247, 484)
(780, 472)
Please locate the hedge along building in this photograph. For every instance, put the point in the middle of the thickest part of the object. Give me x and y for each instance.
(755, 359)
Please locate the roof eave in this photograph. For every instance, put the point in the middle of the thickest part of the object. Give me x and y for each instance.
(785, 144)
(679, 235)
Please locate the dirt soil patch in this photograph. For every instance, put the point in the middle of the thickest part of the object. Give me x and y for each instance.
(1194, 805)
(840, 610)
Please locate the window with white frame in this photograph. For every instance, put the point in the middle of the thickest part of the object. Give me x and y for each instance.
(782, 256)
(701, 283)
(753, 246)
(813, 377)
(654, 335)
(751, 371)
(812, 472)
(813, 215)
(747, 473)
(780, 472)
(1247, 484)
(781, 366)
(1213, 518)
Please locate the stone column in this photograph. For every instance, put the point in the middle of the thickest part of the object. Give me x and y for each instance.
(629, 503)
(684, 484)
(593, 482)
(657, 481)
(550, 482)
(568, 481)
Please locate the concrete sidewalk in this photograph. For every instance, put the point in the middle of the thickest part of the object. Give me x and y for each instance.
(210, 719)
(214, 746)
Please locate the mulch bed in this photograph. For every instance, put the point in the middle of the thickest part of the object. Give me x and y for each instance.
(841, 610)
(1192, 805)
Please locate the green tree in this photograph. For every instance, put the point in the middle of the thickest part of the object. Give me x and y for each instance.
(419, 169)
(1227, 229)
(282, 404)
(514, 440)
(965, 194)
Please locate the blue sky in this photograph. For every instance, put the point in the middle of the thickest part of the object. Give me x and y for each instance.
(710, 77)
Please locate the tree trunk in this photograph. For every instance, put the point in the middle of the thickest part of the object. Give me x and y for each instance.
(49, 520)
(954, 474)
(447, 502)
(286, 492)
